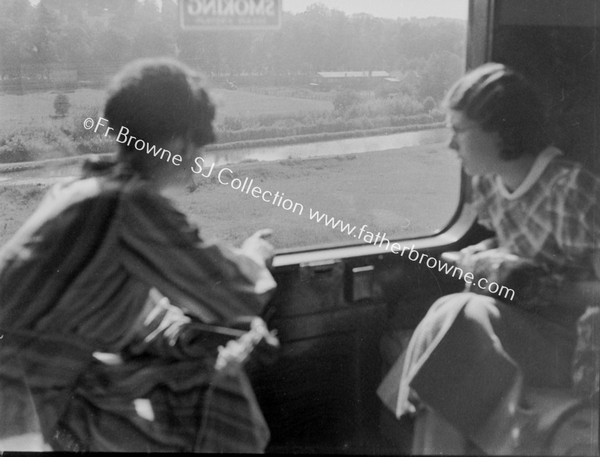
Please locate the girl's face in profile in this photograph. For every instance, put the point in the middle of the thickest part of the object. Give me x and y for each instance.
(479, 150)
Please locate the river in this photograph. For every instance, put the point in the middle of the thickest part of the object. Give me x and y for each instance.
(265, 153)
(333, 147)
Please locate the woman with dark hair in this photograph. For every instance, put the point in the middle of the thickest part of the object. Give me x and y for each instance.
(468, 360)
(109, 298)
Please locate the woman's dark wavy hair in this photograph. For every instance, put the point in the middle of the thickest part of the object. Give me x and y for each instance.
(501, 100)
(157, 100)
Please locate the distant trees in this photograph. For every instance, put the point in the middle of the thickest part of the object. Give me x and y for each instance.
(97, 37)
(439, 72)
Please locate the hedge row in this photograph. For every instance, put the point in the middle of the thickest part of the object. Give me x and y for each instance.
(35, 143)
(318, 137)
(337, 125)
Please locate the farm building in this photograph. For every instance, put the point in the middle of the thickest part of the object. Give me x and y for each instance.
(330, 79)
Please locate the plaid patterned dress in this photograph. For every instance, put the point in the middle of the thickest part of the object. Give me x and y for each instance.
(552, 218)
(470, 355)
(76, 280)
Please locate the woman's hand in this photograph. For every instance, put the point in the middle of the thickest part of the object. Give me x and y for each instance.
(485, 245)
(258, 248)
(464, 257)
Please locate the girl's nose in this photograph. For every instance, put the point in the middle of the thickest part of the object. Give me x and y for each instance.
(453, 143)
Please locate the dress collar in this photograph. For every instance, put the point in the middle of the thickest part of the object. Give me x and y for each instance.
(538, 167)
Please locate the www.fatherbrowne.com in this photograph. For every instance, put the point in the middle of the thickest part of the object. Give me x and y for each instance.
(297, 208)
(380, 240)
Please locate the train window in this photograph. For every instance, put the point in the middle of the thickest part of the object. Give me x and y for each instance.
(329, 128)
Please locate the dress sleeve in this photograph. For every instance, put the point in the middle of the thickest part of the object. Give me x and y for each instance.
(577, 212)
(213, 282)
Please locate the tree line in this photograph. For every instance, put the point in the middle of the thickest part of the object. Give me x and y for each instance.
(95, 37)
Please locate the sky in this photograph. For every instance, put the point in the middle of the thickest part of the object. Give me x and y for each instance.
(381, 8)
(388, 8)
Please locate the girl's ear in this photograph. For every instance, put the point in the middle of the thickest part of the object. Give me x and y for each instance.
(181, 145)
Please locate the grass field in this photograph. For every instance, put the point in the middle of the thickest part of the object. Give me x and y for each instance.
(39, 106)
(21, 110)
(403, 192)
(242, 103)
(30, 131)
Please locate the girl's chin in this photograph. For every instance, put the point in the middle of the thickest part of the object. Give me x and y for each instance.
(468, 171)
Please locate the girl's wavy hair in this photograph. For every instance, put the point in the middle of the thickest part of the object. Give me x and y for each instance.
(501, 100)
(157, 100)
